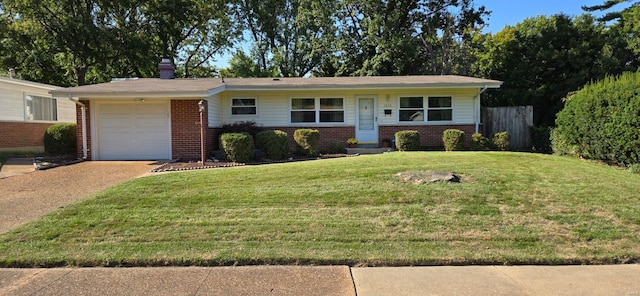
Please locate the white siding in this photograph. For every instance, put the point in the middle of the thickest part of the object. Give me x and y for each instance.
(12, 103)
(66, 110)
(273, 106)
(215, 111)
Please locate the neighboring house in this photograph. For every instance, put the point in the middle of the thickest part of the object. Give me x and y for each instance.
(26, 111)
(153, 118)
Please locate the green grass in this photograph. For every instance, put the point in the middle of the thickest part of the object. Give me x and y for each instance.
(511, 208)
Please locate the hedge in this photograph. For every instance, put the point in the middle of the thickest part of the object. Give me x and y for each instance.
(61, 139)
(238, 147)
(408, 140)
(275, 143)
(307, 141)
(453, 140)
(602, 121)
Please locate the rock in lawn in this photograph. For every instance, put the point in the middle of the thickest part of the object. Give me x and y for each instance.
(422, 177)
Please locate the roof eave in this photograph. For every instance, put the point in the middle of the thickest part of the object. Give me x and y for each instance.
(127, 95)
(364, 87)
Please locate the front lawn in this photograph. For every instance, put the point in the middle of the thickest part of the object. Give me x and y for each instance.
(511, 208)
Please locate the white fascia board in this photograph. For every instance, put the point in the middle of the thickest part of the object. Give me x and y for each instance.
(362, 87)
(129, 95)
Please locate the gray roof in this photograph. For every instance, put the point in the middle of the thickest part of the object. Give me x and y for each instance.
(198, 87)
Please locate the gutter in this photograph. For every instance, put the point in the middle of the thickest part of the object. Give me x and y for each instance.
(477, 107)
(83, 110)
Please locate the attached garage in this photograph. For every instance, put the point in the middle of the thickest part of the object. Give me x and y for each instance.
(139, 130)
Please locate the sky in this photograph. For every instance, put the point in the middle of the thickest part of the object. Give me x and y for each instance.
(509, 12)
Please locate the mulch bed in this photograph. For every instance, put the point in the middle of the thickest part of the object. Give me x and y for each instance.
(180, 165)
(43, 163)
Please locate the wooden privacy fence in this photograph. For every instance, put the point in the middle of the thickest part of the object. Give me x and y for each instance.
(515, 120)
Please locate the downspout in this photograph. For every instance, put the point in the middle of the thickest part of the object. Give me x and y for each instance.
(477, 107)
(83, 111)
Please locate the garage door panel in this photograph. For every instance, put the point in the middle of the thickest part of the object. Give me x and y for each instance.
(134, 131)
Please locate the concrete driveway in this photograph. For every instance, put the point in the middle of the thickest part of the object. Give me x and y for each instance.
(28, 194)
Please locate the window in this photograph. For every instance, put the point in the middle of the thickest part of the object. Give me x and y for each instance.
(40, 108)
(244, 106)
(440, 109)
(317, 110)
(411, 109)
(331, 110)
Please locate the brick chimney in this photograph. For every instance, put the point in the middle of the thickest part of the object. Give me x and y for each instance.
(166, 69)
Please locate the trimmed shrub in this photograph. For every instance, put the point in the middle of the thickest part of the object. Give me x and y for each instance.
(307, 141)
(559, 145)
(453, 140)
(275, 143)
(238, 147)
(541, 139)
(60, 139)
(501, 141)
(336, 147)
(408, 140)
(480, 142)
(602, 121)
(249, 127)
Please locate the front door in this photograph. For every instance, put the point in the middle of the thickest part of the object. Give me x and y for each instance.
(366, 121)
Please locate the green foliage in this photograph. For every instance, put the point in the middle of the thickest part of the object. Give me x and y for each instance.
(559, 144)
(501, 141)
(60, 139)
(634, 168)
(602, 121)
(335, 147)
(249, 127)
(307, 141)
(238, 147)
(453, 140)
(542, 59)
(541, 139)
(407, 140)
(480, 142)
(273, 142)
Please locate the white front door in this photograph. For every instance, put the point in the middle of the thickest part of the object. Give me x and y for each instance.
(366, 120)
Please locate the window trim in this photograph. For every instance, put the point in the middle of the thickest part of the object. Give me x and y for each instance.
(426, 108)
(255, 100)
(400, 109)
(429, 108)
(317, 110)
(52, 109)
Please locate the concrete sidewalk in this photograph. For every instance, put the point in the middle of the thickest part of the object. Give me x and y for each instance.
(325, 280)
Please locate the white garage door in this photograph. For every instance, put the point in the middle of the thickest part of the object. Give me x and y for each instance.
(134, 131)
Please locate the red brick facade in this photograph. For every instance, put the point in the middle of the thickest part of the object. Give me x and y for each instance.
(17, 135)
(79, 129)
(185, 129)
(430, 135)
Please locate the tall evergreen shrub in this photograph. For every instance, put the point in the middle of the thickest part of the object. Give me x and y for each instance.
(602, 121)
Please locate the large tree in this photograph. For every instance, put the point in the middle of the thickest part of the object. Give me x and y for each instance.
(292, 35)
(94, 40)
(543, 59)
(403, 37)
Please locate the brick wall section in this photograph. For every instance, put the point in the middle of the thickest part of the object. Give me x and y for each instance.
(185, 129)
(79, 129)
(16, 134)
(430, 135)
